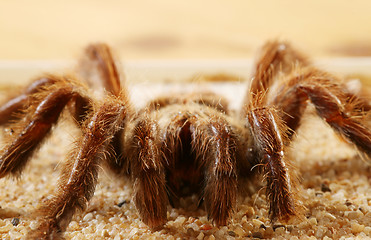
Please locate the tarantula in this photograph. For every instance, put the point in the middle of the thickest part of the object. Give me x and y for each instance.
(177, 141)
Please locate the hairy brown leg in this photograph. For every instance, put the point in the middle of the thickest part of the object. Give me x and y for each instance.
(343, 111)
(290, 97)
(215, 145)
(79, 177)
(29, 132)
(275, 57)
(147, 170)
(13, 106)
(98, 62)
(97, 57)
(268, 133)
(98, 67)
(330, 107)
(291, 101)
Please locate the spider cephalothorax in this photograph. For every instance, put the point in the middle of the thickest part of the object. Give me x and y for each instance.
(178, 142)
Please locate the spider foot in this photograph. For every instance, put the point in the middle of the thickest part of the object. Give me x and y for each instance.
(47, 229)
(152, 212)
(282, 211)
(155, 223)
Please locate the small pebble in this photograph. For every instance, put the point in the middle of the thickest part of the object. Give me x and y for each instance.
(357, 228)
(325, 188)
(239, 231)
(179, 221)
(250, 212)
(353, 214)
(120, 204)
(200, 236)
(33, 225)
(312, 221)
(320, 232)
(232, 234)
(319, 194)
(367, 230)
(211, 237)
(341, 207)
(73, 226)
(206, 227)
(194, 226)
(257, 222)
(280, 230)
(247, 226)
(348, 203)
(190, 232)
(15, 221)
(330, 216)
(257, 235)
(290, 228)
(88, 217)
(275, 226)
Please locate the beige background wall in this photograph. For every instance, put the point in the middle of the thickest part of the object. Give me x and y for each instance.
(168, 29)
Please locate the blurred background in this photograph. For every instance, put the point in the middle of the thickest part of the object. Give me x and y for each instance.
(170, 29)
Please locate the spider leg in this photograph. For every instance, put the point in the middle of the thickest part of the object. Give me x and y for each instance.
(98, 67)
(292, 101)
(274, 107)
(14, 105)
(275, 57)
(96, 57)
(268, 132)
(147, 171)
(330, 108)
(79, 177)
(343, 111)
(215, 143)
(39, 118)
(98, 62)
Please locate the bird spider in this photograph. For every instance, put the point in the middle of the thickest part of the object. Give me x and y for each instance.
(176, 141)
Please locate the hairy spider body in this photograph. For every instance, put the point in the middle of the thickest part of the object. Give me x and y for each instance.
(197, 147)
(178, 144)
